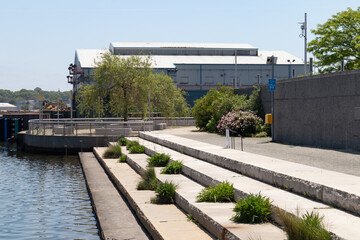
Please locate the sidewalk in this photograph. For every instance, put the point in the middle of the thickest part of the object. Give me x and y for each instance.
(334, 160)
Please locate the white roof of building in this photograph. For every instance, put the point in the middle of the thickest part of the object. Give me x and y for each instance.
(88, 57)
(182, 45)
(7, 105)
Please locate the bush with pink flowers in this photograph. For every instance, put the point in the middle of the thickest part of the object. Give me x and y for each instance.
(242, 122)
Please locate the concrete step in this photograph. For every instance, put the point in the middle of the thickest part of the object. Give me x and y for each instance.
(215, 217)
(340, 223)
(115, 219)
(161, 221)
(336, 189)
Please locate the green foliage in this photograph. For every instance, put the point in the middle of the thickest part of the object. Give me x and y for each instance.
(223, 192)
(254, 103)
(137, 149)
(308, 227)
(261, 134)
(252, 209)
(337, 39)
(130, 144)
(113, 151)
(158, 160)
(215, 104)
(149, 180)
(122, 158)
(172, 168)
(122, 142)
(165, 193)
(24, 95)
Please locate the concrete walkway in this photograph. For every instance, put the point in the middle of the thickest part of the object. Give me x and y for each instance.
(335, 160)
(115, 219)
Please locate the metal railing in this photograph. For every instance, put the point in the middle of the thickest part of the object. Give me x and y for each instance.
(101, 126)
(88, 127)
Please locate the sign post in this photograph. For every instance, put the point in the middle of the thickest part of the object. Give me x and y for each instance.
(272, 88)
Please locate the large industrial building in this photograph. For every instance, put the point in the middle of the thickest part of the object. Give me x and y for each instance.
(198, 67)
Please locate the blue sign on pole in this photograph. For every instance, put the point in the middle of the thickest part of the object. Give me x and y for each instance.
(272, 84)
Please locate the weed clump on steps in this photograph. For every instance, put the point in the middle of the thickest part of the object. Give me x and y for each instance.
(122, 142)
(165, 193)
(113, 151)
(149, 180)
(255, 208)
(222, 192)
(172, 168)
(309, 226)
(158, 160)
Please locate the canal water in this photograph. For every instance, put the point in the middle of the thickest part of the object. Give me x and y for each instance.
(43, 197)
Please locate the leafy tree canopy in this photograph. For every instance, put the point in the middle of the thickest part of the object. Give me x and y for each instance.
(336, 40)
(24, 95)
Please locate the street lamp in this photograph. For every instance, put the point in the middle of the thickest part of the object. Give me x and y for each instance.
(72, 80)
(290, 61)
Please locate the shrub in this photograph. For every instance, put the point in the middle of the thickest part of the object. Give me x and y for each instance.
(113, 151)
(165, 193)
(172, 168)
(130, 144)
(149, 180)
(122, 142)
(122, 158)
(223, 192)
(137, 149)
(308, 227)
(215, 104)
(252, 209)
(158, 160)
(245, 123)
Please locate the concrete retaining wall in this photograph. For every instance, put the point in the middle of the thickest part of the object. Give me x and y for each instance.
(321, 111)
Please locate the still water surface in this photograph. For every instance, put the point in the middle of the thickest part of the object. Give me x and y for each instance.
(43, 197)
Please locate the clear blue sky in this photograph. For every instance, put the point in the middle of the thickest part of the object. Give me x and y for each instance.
(39, 37)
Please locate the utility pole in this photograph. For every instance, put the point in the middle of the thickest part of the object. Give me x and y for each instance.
(303, 34)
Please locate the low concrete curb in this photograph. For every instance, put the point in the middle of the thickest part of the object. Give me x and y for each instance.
(332, 196)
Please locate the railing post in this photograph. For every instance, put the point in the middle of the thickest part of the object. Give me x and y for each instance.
(227, 131)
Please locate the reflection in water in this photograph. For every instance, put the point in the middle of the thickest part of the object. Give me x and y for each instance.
(43, 196)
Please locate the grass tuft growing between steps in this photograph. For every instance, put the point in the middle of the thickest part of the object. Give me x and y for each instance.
(113, 151)
(222, 192)
(122, 158)
(149, 180)
(158, 160)
(165, 193)
(308, 227)
(172, 168)
(122, 142)
(137, 149)
(255, 208)
(130, 144)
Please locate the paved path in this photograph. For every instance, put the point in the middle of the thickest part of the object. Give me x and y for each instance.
(340, 161)
(114, 216)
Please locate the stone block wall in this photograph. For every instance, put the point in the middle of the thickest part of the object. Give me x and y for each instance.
(321, 111)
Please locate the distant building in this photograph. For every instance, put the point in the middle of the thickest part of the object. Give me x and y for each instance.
(7, 107)
(198, 67)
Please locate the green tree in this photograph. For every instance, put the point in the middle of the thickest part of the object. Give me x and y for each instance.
(336, 40)
(254, 103)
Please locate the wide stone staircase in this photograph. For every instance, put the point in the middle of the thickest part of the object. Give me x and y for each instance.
(291, 187)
